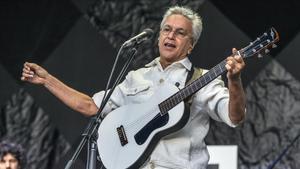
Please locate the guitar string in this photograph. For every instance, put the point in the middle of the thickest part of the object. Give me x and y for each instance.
(139, 122)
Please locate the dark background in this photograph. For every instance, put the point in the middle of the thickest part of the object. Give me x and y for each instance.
(77, 41)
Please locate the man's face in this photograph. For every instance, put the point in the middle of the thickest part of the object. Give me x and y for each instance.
(9, 162)
(175, 39)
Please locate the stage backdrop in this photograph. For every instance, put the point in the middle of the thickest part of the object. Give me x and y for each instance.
(77, 41)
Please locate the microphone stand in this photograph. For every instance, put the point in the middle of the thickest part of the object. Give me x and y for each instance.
(282, 154)
(89, 133)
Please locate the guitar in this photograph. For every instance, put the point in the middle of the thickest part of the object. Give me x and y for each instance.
(129, 134)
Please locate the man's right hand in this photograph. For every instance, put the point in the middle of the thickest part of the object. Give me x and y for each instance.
(34, 73)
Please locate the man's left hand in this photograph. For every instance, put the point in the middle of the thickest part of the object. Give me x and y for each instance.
(234, 65)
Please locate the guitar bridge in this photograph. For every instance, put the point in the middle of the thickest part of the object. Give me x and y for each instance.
(122, 135)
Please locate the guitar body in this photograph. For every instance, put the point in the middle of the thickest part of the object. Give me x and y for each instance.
(129, 134)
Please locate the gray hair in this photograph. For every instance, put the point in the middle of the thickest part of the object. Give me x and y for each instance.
(189, 14)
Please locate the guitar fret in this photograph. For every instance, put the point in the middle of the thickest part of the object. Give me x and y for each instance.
(172, 100)
(184, 94)
(190, 89)
(168, 105)
(194, 87)
(180, 97)
(207, 77)
(214, 70)
(201, 82)
(165, 107)
(177, 100)
(210, 77)
(204, 79)
(220, 68)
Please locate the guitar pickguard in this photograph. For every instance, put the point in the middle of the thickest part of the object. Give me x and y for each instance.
(157, 122)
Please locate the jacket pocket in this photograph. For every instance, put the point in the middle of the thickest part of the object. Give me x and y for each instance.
(137, 94)
(136, 90)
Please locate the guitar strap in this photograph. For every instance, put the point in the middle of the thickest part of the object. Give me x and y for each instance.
(193, 74)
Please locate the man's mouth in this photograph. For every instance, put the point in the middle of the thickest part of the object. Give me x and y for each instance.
(169, 45)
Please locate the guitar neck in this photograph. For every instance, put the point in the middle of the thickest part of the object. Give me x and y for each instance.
(193, 87)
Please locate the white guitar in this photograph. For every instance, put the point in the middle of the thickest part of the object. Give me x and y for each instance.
(128, 135)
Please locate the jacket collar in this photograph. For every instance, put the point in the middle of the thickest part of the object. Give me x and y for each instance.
(186, 63)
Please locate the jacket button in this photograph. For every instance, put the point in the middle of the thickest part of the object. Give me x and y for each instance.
(152, 165)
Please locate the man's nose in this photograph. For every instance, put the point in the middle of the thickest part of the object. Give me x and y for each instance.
(7, 165)
(171, 35)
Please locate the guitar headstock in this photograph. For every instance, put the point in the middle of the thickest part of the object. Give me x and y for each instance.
(261, 45)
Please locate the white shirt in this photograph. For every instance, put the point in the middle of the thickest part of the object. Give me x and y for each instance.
(184, 149)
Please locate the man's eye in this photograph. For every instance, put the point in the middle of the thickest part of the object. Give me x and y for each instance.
(13, 161)
(181, 33)
(166, 29)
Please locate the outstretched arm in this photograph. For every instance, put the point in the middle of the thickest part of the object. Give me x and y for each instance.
(237, 98)
(76, 100)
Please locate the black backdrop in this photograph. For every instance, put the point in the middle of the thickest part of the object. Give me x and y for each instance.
(77, 40)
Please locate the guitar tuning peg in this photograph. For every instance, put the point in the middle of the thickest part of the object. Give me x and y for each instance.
(274, 45)
(267, 50)
(259, 55)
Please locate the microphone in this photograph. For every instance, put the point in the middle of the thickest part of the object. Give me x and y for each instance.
(143, 36)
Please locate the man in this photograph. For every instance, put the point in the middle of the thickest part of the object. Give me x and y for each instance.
(180, 31)
(11, 156)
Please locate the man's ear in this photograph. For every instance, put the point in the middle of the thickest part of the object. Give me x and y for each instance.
(157, 42)
(190, 49)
